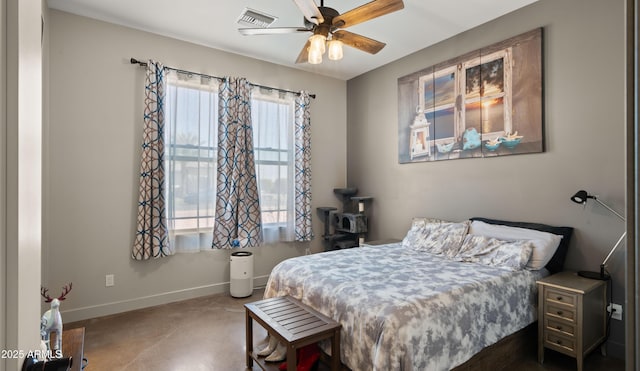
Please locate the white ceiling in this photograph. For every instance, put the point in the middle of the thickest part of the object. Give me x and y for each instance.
(213, 23)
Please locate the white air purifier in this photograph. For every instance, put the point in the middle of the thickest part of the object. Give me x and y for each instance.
(241, 283)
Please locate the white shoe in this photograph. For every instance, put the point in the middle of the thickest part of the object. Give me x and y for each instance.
(278, 355)
(273, 343)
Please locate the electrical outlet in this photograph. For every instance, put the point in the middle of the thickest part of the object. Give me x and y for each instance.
(617, 311)
(109, 280)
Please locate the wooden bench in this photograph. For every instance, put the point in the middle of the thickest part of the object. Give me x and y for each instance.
(295, 325)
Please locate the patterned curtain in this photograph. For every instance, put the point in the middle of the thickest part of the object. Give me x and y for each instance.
(303, 231)
(151, 239)
(237, 215)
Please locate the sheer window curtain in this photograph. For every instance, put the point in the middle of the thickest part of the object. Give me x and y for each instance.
(192, 115)
(151, 240)
(237, 213)
(272, 114)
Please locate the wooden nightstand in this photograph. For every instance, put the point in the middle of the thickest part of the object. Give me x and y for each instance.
(571, 315)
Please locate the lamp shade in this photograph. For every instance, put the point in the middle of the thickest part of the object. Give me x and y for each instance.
(317, 42)
(314, 57)
(335, 50)
(580, 197)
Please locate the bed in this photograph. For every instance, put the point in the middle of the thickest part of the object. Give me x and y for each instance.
(408, 308)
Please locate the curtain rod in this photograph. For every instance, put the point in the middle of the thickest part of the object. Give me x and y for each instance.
(144, 64)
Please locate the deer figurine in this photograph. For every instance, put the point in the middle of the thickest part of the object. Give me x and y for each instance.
(52, 320)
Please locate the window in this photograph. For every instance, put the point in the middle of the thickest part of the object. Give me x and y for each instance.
(192, 118)
(191, 115)
(272, 115)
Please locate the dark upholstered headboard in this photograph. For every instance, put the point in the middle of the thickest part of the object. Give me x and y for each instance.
(556, 263)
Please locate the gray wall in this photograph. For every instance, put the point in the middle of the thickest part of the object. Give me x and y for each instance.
(92, 164)
(584, 98)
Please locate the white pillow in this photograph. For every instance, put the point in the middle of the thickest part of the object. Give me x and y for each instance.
(512, 255)
(544, 244)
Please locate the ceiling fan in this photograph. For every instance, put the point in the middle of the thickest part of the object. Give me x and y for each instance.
(327, 26)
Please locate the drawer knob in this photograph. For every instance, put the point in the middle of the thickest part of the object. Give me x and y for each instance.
(559, 342)
(559, 327)
(559, 298)
(559, 312)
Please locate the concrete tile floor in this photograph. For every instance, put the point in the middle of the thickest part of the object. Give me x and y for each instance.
(208, 334)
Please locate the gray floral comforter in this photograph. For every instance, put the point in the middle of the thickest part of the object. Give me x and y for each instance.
(403, 309)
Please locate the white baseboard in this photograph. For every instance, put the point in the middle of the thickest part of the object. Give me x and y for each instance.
(106, 309)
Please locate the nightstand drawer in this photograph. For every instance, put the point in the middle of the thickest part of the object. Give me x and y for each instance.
(560, 343)
(559, 326)
(559, 311)
(560, 296)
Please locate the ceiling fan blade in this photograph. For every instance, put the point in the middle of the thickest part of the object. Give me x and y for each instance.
(270, 31)
(366, 12)
(303, 57)
(310, 11)
(358, 41)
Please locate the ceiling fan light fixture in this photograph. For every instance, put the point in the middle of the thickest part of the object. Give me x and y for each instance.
(326, 25)
(317, 42)
(335, 50)
(315, 57)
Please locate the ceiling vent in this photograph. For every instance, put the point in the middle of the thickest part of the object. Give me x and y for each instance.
(252, 17)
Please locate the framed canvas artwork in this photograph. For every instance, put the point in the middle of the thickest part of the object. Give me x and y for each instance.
(486, 103)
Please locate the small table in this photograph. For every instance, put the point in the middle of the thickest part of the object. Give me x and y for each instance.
(294, 324)
(73, 346)
(571, 315)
